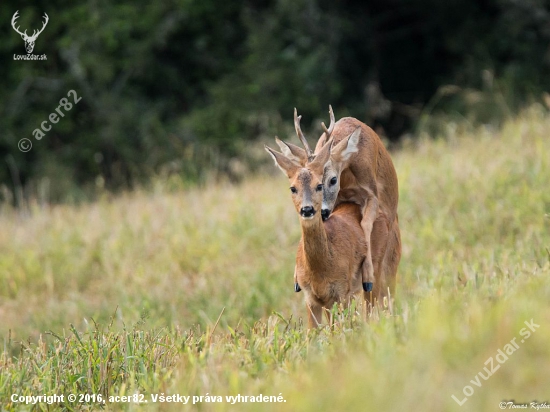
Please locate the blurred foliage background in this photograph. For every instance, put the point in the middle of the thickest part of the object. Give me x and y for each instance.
(183, 87)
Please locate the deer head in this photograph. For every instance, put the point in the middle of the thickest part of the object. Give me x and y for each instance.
(305, 156)
(306, 181)
(339, 156)
(29, 40)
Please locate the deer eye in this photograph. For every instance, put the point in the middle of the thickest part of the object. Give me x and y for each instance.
(333, 181)
(319, 188)
(293, 189)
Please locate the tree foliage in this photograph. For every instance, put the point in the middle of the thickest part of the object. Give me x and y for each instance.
(183, 83)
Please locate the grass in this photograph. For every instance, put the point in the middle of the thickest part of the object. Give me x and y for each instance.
(124, 296)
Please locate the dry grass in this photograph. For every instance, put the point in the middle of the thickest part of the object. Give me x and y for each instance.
(159, 266)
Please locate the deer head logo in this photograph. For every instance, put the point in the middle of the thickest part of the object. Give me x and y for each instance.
(29, 40)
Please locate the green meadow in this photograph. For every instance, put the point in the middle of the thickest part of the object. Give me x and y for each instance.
(189, 291)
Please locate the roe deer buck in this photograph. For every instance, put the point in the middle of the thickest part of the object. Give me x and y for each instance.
(331, 256)
(361, 171)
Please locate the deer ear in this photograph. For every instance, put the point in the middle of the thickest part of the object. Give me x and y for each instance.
(321, 158)
(288, 167)
(350, 145)
(293, 152)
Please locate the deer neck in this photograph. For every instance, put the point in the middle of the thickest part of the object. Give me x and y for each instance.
(315, 244)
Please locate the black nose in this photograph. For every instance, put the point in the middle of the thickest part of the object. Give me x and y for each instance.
(307, 211)
(325, 213)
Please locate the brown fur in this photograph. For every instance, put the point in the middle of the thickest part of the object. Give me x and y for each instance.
(368, 178)
(329, 260)
(365, 175)
(331, 255)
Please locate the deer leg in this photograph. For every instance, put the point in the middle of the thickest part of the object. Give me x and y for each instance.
(370, 211)
(368, 295)
(297, 287)
(392, 257)
(380, 241)
(314, 315)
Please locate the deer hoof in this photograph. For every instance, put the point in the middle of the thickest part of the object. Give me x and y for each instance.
(297, 287)
(367, 286)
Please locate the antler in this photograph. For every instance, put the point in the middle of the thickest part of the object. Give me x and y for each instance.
(300, 134)
(35, 35)
(13, 19)
(330, 129)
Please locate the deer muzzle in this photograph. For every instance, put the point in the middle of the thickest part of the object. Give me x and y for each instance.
(307, 212)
